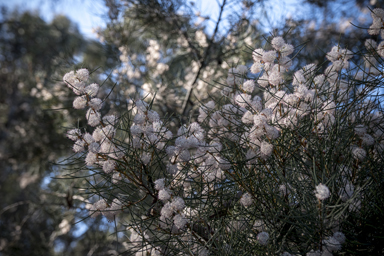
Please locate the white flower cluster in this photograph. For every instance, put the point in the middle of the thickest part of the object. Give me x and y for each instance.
(101, 149)
(109, 211)
(201, 38)
(211, 167)
(332, 244)
(263, 238)
(148, 130)
(378, 19)
(246, 200)
(77, 81)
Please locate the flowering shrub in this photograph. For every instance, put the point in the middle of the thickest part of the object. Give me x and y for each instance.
(291, 171)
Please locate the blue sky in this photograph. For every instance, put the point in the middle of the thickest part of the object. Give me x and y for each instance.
(88, 14)
(278, 10)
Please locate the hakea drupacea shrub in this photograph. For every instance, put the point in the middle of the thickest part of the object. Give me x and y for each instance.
(278, 172)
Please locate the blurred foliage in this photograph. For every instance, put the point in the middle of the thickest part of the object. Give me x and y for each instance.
(37, 215)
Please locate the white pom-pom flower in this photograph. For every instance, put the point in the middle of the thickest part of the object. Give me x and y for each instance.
(164, 195)
(257, 55)
(167, 210)
(278, 43)
(246, 200)
(79, 146)
(110, 119)
(286, 50)
(285, 63)
(159, 184)
(95, 103)
(249, 86)
(109, 131)
(243, 100)
(241, 69)
(94, 147)
(88, 138)
(98, 134)
(139, 118)
(69, 78)
(266, 149)
(367, 140)
(275, 78)
(109, 166)
(116, 177)
(74, 134)
(82, 74)
(178, 203)
(184, 156)
(269, 56)
(80, 102)
(180, 221)
(92, 90)
(93, 117)
(299, 78)
(146, 158)
(247, 118)
(153, 116)
(90, 159)
(370, 44)
(331, 245)
(263, 238)
(142, 105)
(339, 236)
(256, 67)
(77, 87)
(322, 192)
(359, 153)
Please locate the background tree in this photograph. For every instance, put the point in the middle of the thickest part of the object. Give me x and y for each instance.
(37, 214)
